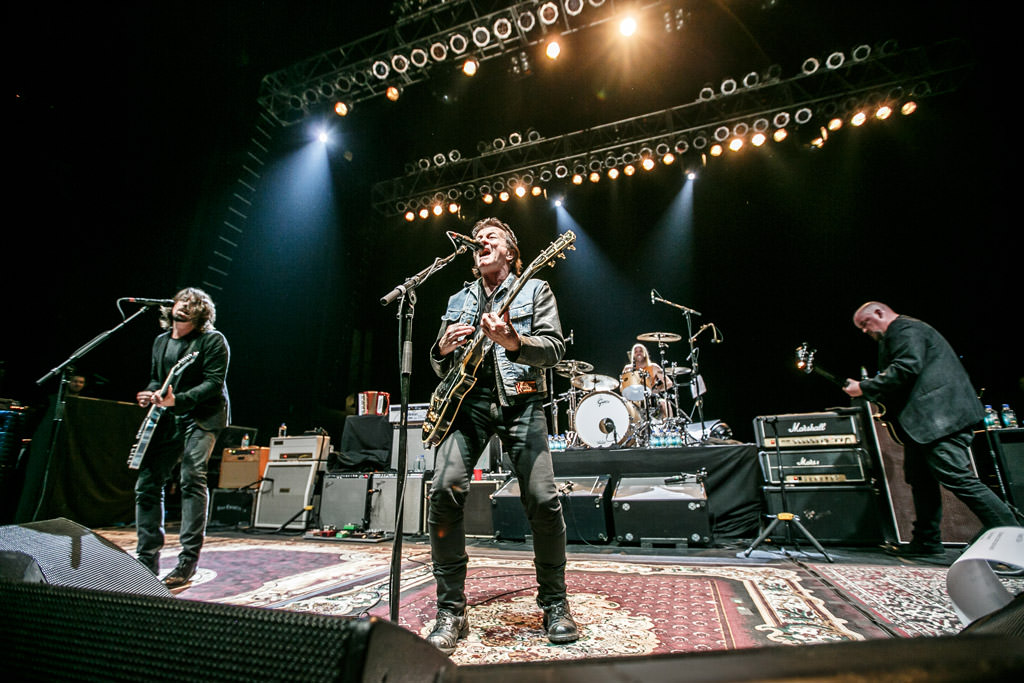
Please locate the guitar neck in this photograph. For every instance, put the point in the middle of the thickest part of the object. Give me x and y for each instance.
(829, 376)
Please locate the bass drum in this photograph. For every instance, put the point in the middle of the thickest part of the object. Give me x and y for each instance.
(604, 419)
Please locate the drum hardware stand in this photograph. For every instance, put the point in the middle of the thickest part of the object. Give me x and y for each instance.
(698, 395)
(406, 294)
(788, 518)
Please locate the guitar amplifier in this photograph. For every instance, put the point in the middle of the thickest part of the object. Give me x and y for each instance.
(241, 467)
(808, 430)
(297, 448)
(585, 507)
(831, 466)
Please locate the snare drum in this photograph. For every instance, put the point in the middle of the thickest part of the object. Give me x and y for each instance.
(604, 419)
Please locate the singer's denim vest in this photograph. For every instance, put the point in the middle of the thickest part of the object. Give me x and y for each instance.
(464, 307)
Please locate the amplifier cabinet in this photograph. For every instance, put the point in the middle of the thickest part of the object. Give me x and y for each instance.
(655, 509)
(230, 508)
(286, 489)
(808, 430)
(585, 506)
(345, 500)
(816, 467)
(838, 515)
(312, 447)
(384, 497)
(241, 467)
(477, 512)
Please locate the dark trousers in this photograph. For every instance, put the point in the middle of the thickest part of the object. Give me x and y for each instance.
(946, 462)
(176, 440)
(523, 432)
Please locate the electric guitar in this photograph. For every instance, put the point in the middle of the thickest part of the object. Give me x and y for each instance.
(148, 426)
(448, 396)
(805, 362)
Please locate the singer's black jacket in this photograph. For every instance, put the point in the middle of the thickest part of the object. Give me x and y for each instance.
(201, 392)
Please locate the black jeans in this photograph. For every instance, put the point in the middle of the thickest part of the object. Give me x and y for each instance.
(523, 432)
(175, 440)
(946, 462)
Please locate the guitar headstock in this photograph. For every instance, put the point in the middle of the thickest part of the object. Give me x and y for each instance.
(184, 362)
(555, 250)
(805, 358)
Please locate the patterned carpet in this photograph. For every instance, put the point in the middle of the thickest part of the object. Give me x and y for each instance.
(625, 605)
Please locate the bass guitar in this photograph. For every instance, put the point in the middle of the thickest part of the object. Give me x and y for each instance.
(447, 397)
(148, 427)
(805, 363)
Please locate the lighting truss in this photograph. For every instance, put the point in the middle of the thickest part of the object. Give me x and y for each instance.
(824, 86)
(405, 53)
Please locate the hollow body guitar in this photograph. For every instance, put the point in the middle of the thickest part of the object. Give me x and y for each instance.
(448, 396)
(148, 426)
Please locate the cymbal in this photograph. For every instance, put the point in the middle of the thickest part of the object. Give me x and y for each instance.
(659, 337)
(678, 370)
(571, 368)
(595, 383)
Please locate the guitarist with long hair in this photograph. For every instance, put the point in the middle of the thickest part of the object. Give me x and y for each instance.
(506, 399)
(922, 378)
(196, 410)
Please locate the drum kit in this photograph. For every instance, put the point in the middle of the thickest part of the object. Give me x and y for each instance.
(628, 412)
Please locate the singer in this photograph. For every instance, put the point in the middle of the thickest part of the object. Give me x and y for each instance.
(197, 410)
(644, 382)
(507, 400)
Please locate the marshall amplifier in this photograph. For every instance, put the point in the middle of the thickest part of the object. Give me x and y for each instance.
(831, 466)
(808, 430)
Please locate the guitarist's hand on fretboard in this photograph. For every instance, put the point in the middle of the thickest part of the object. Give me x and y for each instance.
(455, 335)
(501, 332)
(852, 388)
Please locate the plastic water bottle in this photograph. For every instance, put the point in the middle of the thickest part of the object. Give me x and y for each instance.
(1009, 417)
(421, 463)
(245, 441)
(991, 418)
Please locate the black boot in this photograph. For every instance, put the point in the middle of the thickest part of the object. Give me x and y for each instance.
(152, 563)
(181, 574)
(448, 628)
(559, 624)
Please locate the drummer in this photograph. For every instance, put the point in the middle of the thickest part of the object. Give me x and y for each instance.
(641, 378)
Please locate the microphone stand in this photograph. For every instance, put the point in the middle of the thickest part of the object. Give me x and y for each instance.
(60, 404)
(698, 397)
(406, 293)
(784, 516)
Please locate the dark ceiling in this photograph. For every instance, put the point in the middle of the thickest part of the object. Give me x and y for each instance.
(130, 126)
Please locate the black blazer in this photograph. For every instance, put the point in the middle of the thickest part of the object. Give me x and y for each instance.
(921, 377)
(201, 393)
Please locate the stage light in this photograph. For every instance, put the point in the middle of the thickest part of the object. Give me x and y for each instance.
(668, 158)
(440, 159)
(526, 21)
(736, 144)
(835, 123)
(908, 108)
(803, 115)
(520, 190)
(629, 169)
(780, 134)
(323, 136)
(380, 69)
(721, 134)
(561, 171)
(595, 176)
(439, 52)
(716, 150)
(883, 112)
(393, 92)
(577, 178)
(572, 7)
(552, 50)
(503, 196)
(458, 43)
(453, 207)
(400, 63)
(481, 36)
(437, 210)
(502, 28)
(613, 173)
(758, 139)
(515, 138)
(410, 216)
(341, 108)
(627, 27)
(470, 66)
(858, 119)
(835, 60)
(424, 213)
(536, 190)
(809, 66)
(781, 120)
(418, 57)
(487, 198)
(548, 13)
(691, 175)
(682, 146)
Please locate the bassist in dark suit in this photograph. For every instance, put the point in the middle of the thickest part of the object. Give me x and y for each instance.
(922, 379)
(507, 400)
(197, 410)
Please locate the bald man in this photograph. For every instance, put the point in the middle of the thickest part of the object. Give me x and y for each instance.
(922, 381)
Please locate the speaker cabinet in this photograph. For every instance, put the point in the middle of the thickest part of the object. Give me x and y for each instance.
(384, 496)
(286, 489)
(68, 554)
(1007, 449)
(345, 499)
(478, 517)
(833, 514)
(241, 467)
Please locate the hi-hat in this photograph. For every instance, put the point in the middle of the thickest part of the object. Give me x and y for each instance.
(659, 337)
(595, 383)
(678, 370)
(571, 368)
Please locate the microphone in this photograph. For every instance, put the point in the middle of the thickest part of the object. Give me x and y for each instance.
(464, 241)
(150, 302)
(652, 296)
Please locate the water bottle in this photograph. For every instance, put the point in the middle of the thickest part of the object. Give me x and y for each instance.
(421, 463)
(991, 418)
(245, 441)
(282, 430)
(1009, 417)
